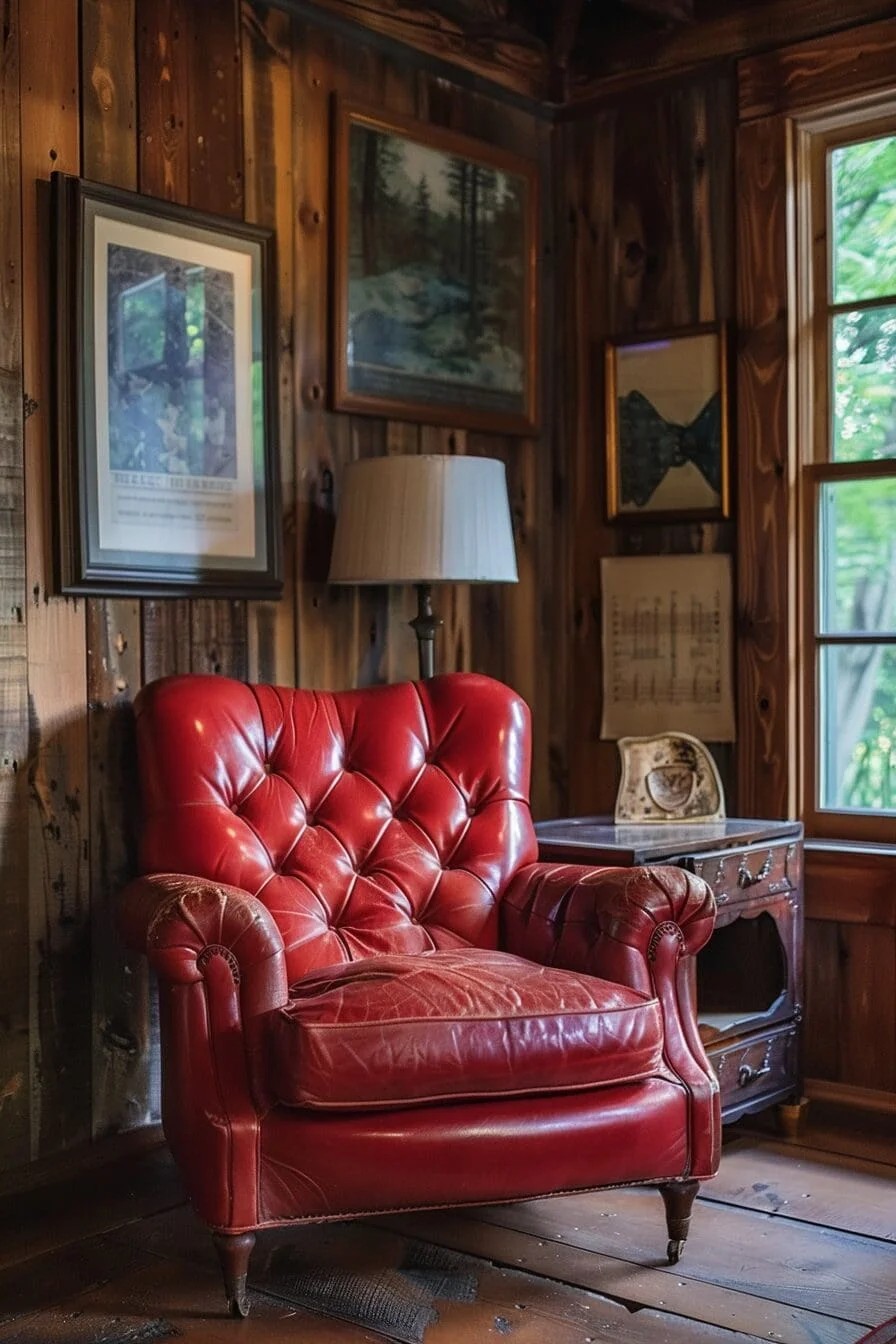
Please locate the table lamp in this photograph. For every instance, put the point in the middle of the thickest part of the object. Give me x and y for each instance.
(423, 519)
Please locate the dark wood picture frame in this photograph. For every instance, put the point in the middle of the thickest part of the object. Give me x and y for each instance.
(434, 341)
(167, 466)
(666, 425)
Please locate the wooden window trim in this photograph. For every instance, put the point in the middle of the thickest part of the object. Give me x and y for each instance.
(767, 633)
(816, 136)
(781, 92)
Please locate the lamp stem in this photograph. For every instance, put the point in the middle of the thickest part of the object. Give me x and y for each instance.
(424, 626)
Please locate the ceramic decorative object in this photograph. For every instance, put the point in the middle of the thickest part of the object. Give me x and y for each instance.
(670, 777)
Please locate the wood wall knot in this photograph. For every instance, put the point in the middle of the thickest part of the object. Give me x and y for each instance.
(29, 406)
(635, 255)
(311, 217)
(104, 88)
(119, 1040)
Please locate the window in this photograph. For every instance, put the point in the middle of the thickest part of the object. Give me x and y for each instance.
(847, 433)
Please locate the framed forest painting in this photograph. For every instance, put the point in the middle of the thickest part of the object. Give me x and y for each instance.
(667, 426)
(434, 275)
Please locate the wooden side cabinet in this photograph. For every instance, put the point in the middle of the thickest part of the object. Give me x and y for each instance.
(749, 976)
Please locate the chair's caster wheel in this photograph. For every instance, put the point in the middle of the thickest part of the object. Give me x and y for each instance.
(673, 1251)
(239, 1307)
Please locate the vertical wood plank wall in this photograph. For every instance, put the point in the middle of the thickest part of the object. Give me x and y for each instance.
(15, 1125)
(225, 107)
(120, 1035)
(644, 227)
(57, 876)
(646, 222)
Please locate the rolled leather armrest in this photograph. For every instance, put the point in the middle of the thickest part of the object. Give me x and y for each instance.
(222, 971)
(605, 921)
(182, 922)
(637, 927)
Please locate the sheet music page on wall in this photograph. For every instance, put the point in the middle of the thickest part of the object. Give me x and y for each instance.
(667, 646)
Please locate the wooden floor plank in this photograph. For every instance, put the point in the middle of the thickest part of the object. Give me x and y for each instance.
(116, 1257)
(799, 1183)
(469, 1298)
(46, 1280)
(168, 1300)
(637, 1286)
(95, 1202)
(407, 1289)
(175, 1234)
(826, 1271)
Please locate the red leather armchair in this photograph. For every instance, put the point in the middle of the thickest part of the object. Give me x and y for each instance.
(373, 997)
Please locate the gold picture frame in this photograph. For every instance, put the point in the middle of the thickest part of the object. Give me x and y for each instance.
(667, 426)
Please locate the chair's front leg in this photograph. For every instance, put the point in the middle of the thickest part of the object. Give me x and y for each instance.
(678, 1197)
(234, 1250)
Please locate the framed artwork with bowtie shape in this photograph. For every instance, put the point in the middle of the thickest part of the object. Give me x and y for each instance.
(667, 425)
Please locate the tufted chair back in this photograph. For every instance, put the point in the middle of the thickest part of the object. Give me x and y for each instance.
(388, 820)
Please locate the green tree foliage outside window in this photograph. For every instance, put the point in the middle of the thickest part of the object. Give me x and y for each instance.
(857, 541)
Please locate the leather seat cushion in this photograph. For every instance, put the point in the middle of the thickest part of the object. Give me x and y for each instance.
(445, 1025)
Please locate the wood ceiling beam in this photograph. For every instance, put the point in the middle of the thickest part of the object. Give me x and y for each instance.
(739, 31)
(517, 66)
(668, 11)
(566, 30)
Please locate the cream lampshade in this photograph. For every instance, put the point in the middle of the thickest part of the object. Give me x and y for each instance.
(424, 519)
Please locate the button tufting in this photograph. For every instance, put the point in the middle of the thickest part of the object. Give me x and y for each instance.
(267, 767)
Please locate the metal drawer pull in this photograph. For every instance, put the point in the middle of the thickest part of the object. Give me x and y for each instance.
(746, 1075)
(747, 879)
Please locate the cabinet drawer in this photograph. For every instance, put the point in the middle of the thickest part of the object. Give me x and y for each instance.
(755, 1068)
(751, 874)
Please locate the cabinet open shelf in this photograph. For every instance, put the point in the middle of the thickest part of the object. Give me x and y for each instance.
(742, 977)
(748, 977)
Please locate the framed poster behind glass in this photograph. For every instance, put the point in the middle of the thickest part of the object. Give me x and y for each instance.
(167, 465)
